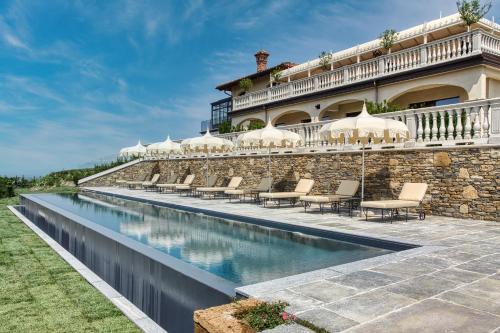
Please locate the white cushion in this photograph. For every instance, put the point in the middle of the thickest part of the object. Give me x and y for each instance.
(390, 204)
(281, 195)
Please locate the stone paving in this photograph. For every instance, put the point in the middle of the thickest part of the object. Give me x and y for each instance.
(449, 284)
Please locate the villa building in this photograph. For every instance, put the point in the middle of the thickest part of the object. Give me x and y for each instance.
(434, 70)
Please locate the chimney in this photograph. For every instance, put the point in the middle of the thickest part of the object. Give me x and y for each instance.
(261, 59)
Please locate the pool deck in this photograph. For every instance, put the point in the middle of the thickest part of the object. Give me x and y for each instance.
(449, 284)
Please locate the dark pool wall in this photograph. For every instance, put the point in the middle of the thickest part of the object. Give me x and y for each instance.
(167, 295)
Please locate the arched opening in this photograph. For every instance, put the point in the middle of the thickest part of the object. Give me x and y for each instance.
(251, 123)
(291, 118)
(427, 96)
(347, 108)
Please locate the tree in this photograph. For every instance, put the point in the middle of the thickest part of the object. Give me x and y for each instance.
(276, 75)
(224, 127)
(381, 107)
(388, 38)
(324, 60)
(472, 11)
(246, 84)
(255, 124)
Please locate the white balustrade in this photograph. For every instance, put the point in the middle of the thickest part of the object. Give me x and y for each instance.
(442, 50)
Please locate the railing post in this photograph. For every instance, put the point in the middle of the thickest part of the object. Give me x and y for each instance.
(381, 66)
(477, 123)
(346, 74)
(423, 54)
(495, 124)
(412, 126)
(476, 41)
(420, 126)
(449, 130)
(427, 130)
(442, 128)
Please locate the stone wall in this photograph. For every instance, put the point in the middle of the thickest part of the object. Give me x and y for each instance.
(463, 181)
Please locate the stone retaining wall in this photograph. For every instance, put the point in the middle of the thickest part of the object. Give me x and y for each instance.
(463, 181)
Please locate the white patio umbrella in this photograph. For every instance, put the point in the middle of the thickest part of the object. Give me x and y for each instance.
(364, 128)
(136, 151)
(207, 144)
(152, 149)
(123, 152)
(168, 147)
(269, 137)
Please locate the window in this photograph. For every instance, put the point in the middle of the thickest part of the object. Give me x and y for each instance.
(220, 110)
(437, 102)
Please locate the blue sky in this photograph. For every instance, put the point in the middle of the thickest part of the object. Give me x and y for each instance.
(81, 79)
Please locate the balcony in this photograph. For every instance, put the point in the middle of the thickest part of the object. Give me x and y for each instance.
(468, 123)
(440, 51)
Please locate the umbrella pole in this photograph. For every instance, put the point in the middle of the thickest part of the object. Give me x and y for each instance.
(363, 173)
(269, 165)
(206, 172)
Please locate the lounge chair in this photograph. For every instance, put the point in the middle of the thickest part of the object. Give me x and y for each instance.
(170, 184)
(345, 192)
(188, 188)
(210, 182)
(134, 184)
(411, 196)
(264, 185)
(214, 190)
(304, 186)
(121, 182)
(151, 184)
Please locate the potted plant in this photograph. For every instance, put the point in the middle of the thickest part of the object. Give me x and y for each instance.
(387, 39)
(472, 11)
(325, 59)
(246, 84)
(276, 77)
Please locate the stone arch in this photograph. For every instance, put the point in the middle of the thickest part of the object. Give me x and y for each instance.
(429, 93)
(291, 117)
(341, 109)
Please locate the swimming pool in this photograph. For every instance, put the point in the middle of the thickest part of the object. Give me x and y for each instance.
(174, 261)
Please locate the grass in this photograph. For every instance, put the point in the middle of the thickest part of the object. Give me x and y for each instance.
(40, 292)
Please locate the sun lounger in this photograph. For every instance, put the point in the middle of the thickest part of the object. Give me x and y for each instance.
(170, 184)
(411, 196)
(151, 184)
(264, 185)
(214, 190)
(210, 182)
(121, 183)
(345, 192)
(136, 183)
(304, 186)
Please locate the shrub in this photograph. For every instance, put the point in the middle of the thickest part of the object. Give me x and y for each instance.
(263, 316)
(381, 107)
(6, 188)
(324, 59)
(388, 38)
(224, 127)
(472, 11)
(246, 84)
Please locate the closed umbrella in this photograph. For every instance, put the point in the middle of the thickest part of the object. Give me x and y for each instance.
(364, 128)
(269, 137)
(207, 144)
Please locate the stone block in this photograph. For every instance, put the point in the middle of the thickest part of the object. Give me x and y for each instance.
(470, 193)
(464, 209)
(463, 173)
(442, 159)
(393, 162)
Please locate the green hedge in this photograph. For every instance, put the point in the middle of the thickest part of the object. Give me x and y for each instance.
(6, 188)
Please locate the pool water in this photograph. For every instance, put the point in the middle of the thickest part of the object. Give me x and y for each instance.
(239, 252)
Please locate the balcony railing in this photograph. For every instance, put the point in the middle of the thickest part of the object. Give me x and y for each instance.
(456, 47)
(473, 122)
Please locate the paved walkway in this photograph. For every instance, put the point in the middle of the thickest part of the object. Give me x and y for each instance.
(451, 284)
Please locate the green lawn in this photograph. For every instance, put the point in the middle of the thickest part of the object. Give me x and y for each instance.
(40, 292)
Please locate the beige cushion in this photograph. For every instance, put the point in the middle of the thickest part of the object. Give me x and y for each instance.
(235, 192)
(166, 185)
(235, 182)
(135, 183)
(183, 187)
(322, 198)
(390, 204)
(304, 186)
(189, 180)
(211, 189)
(347, 188)
(121, 181)
(413, 191)
(281, 195)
